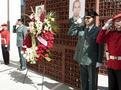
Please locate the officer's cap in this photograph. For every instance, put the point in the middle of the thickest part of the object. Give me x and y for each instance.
(4, 24)
(118, 16)
(91, 13)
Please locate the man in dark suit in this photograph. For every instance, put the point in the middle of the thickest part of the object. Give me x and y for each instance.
(88, 53)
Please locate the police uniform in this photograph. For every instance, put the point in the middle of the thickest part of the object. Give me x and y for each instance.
(87, 53)
(21, 33)
(5, 42)
(113, 43)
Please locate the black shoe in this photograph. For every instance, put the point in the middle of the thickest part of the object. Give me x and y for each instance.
(6, 63)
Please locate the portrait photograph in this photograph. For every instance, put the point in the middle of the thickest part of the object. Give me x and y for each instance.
(39, 9)
(76, 8)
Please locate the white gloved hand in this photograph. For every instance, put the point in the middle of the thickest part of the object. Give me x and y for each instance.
(6, 45)
(107, 24)
(79, 22)
(17, 26)
(1, 28)
(98, 64)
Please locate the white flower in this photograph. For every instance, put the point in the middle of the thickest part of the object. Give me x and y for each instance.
(45, 20)
(46, 28)
(33, 62)
(27, 57)
(39, 25)
(36, 48)
(49, 25)
(31, 16)
(50, 29)
(48, 22)
(52, 19)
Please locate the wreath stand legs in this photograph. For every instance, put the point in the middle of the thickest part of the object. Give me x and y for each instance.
(42, 81)
(42, 75)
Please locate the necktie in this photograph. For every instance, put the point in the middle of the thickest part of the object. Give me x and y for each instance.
(87, 29)
(86, 32)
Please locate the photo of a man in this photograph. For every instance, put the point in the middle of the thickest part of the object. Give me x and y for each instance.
(76, 10)
(39, 9)
(40, 13)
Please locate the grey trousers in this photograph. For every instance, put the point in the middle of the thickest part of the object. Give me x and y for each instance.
(22, 59)
(89, 76)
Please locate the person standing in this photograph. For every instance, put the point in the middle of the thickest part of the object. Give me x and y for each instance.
(112, 38)
(21, 31)
(5, 42)
(88, 53)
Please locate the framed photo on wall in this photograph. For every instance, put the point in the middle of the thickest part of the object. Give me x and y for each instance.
(40, 13)
(76, 8)
(39, 9)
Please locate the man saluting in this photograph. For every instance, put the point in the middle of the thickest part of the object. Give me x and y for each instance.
(5, 42)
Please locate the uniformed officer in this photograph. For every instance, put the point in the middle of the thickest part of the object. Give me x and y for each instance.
(21, 31)
(88, 53)
(5, 42)
(112, 38)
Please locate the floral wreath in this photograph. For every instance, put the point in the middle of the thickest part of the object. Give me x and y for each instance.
(40, 37)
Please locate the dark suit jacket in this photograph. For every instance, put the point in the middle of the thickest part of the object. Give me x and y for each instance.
(71, 21)
(87, 50)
